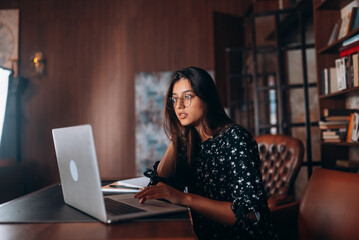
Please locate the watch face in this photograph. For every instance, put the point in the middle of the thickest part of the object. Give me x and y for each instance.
(7, 43)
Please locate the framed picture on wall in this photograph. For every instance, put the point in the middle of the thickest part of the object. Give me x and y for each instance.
(9, 35)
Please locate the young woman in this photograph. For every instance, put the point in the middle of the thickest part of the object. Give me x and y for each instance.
(215, 159)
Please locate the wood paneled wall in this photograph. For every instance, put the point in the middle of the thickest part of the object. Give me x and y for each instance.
(93, 49)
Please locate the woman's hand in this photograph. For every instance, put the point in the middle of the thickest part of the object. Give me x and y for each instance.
(162, 191)
(218, 211)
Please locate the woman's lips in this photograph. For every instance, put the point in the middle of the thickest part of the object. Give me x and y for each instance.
(182, 115)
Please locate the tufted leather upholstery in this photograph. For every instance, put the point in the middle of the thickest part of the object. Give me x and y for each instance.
(281, 157)
(328, 210)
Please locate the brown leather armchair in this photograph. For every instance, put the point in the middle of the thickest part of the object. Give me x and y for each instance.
(329, 209)
(281, 157)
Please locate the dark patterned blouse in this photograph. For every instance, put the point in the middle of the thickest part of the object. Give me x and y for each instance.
(226, 168)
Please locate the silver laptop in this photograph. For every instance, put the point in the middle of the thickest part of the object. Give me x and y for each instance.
(81, 183)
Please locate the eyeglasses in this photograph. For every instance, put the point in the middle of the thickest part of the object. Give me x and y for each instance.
(186, 100)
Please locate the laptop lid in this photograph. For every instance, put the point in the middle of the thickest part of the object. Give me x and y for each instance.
(81, 183)
(79, 174)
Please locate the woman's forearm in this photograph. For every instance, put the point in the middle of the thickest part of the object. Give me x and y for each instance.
(167, 164)
(217, 211)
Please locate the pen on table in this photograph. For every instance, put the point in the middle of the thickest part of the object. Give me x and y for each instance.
(127, 187)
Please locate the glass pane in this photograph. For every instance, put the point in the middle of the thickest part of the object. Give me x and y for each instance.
(267, 64)
(295, 70)
(300, 183)
(297, 107)
(316, 140)
(263, 97)
(272, 104)
(300, 133)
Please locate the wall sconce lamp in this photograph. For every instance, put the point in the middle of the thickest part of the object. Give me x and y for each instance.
(38, 62)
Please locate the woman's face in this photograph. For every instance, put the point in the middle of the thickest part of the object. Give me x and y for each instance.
(186, 104)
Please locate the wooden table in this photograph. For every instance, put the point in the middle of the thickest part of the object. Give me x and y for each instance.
(43, 215)
(68, 231)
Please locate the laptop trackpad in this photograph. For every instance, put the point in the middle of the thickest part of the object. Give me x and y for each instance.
(149, 205)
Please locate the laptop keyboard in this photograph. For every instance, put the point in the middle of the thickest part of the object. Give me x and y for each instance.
(114, 207)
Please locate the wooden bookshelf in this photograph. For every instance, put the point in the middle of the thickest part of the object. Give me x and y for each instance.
(341, 94)
(325, 15)
(330, 4)
(341, 144)
(336, 44)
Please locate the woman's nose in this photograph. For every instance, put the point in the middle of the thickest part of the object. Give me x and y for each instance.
(180, 104)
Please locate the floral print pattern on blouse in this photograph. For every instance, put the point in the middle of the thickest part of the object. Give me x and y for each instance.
(226, 168)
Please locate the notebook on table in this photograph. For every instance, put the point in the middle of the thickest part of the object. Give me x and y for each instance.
(81, 183)
(132, 185)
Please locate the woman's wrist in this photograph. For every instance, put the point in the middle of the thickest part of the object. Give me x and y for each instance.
(187, 200)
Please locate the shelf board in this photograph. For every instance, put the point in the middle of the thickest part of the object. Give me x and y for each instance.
(332, 4)
(297, 46)
(341, 94)
(312, 124)
(346, 169)
(300, 85)
(342, 144)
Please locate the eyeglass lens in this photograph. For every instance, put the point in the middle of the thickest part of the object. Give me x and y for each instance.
(185, 100)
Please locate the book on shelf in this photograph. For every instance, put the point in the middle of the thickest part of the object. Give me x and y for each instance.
(354, 19)
(347, 163)
(329, 134)
(351, 41)
(349, 49)
(325, 137)
(338, 132)
(342, 73)
(333, 80)
(329, 80)
(352, 133)
(335, 32)
(334, 128)
(332, 140)
(325, 81)
(351, 52)
(330, 137)
(334, 135)
(355, 69)
(344, 26)
(338, 118)
(332, 124)
(355, 131)
(347, 71)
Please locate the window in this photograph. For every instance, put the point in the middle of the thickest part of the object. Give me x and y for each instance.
(4, 87)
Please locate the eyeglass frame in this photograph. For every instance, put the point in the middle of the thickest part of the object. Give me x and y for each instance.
(182, 101)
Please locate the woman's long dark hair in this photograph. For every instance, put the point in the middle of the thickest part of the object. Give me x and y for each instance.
(185, 138)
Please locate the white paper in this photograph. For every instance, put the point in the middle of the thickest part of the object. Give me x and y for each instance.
(135, 182)
(139, 182)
